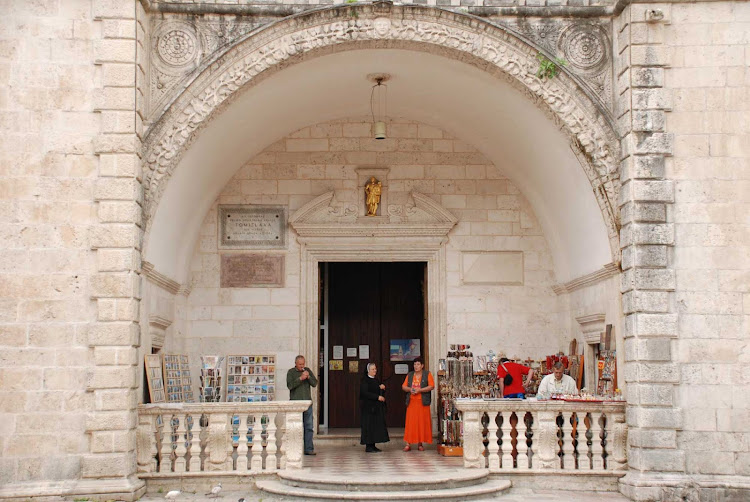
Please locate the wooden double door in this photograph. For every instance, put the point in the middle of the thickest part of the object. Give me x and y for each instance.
(373, 304)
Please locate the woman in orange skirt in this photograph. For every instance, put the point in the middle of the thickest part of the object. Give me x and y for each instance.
(418, 385)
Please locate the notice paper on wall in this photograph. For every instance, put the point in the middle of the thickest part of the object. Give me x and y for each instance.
(351, 352)
(338, 352)
(401, 369)
(364, 352)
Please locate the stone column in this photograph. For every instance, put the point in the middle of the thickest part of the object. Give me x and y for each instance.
(647, 238)
(116, 239)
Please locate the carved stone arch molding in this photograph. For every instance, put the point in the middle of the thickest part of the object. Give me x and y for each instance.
(495, 49)
(329, 231)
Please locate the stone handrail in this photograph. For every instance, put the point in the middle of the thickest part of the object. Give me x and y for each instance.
(546, 436)
(180, 439)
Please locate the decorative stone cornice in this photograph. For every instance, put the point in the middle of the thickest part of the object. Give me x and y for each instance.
(607, 271)
(323, 217)
(159, 279)
(159, 322)
(592, 327)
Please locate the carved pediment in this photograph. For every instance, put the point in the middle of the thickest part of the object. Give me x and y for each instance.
(325, 216)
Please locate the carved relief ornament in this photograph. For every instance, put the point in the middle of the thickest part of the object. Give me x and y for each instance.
(562, 99)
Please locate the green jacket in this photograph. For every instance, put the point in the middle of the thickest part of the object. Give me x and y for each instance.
(299, 390)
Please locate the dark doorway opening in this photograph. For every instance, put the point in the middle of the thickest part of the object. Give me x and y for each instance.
(369, 304)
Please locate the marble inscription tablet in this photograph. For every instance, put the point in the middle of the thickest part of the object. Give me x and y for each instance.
(252, 270)
(492, 267)
(252, 227)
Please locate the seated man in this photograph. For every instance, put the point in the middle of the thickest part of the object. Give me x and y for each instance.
(556, 383)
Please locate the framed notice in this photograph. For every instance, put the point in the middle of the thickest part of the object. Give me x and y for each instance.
(252, 227)
(155, 378)
(251, 378)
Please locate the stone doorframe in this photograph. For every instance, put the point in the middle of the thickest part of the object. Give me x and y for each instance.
(331, 232)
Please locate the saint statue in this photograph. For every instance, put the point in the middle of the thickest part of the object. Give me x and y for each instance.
(373, 190)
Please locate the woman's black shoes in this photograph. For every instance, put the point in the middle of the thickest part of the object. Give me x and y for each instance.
(372, 449)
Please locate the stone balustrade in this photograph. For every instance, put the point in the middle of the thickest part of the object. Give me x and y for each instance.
(210, 439)
(544, 436)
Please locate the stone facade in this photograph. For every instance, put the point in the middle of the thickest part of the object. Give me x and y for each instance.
(101, 104)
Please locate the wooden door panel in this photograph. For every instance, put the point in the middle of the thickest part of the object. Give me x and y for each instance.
(400, 318)
(370, 304)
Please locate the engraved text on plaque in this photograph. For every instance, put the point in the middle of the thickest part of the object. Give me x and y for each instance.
(252, 270)
(252, 227)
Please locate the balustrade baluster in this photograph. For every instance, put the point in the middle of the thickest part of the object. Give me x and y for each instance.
(606, 440)
(180, 450)
(568, 460)
(507, 447)
(242, 432)
(167, 436)
(271, 443)
(596, 441)
(256, 461)
(194, 443)
(493, 449)
(524, 424)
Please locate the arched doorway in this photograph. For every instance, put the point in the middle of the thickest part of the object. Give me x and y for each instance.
(473, 80)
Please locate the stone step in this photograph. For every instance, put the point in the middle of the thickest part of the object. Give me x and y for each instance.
(365, 482)
(488, 488)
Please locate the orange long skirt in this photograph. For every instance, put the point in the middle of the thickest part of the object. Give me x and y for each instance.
(418, 427)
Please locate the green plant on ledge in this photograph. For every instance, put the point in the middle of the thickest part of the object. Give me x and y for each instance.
(547, 68)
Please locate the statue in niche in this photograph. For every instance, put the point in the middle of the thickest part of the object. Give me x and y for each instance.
(373, 191)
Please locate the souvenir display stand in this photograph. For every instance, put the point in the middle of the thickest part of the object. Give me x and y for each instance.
(177, 374)
(155, 378)
(251, 378)
(211, 379)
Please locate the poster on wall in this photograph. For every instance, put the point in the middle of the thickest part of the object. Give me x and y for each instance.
(335, 365)
(338, 352)
(364, 352)
(405, 349)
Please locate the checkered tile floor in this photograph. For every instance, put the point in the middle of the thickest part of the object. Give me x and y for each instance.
(352, 463)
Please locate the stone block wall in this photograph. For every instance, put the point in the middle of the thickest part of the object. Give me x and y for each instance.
(47, 186)
(493, 216)
(709, 79)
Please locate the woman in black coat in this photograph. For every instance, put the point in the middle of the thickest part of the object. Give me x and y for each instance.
(372, 405)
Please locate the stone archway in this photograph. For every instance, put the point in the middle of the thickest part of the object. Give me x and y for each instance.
(495, 50)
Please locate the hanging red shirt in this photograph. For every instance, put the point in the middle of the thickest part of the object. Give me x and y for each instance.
(516, 371)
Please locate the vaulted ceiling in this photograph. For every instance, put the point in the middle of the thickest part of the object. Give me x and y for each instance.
(476, 107)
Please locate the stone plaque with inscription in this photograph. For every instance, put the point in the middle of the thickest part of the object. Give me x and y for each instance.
(252, 227)
(252, 270)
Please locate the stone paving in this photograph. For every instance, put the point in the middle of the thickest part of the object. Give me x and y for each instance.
(514, 495)
(353, 464)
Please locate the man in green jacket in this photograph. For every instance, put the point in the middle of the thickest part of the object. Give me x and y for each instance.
(299, 380)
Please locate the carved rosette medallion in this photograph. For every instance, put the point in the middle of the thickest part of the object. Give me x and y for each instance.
(584, 46)
(177, 47)
(175, 52)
